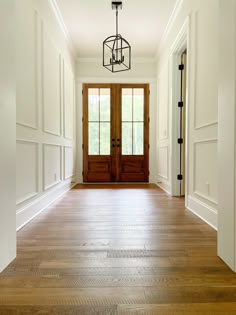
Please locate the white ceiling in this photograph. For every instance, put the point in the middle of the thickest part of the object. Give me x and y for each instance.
(141, 23)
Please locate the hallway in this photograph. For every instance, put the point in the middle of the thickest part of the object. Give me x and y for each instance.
(117, 249)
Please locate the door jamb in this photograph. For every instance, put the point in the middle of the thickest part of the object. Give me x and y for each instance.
(180, 44)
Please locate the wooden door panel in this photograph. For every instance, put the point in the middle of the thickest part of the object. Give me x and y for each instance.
(133, 170)
(97, 158)
(134, 159)
(130, 121)
(99, 170)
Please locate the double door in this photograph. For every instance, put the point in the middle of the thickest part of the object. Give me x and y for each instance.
(115, 132)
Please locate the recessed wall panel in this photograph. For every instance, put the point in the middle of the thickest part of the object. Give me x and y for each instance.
(163, 103)
(51, 86)
(206, 98)
(68, 102)
(26, 170)
(68, 162)
(163, 160)
(52, 165)
(26, 66)
(205, 170)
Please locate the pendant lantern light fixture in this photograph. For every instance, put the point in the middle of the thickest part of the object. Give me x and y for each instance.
(116, 50)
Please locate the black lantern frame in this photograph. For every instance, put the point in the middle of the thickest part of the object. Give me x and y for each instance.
(116, 49)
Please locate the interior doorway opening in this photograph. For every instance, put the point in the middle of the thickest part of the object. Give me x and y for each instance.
(182, 122)
(179, 113)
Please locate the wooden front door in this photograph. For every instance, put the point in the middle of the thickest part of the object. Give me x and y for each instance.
(115, 132)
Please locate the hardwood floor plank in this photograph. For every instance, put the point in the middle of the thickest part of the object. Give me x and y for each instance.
(117, 249)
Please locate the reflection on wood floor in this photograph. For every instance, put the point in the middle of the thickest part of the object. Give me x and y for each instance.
(117, 249)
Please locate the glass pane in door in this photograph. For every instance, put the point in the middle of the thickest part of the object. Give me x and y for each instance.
(99, 121)
(132, 109)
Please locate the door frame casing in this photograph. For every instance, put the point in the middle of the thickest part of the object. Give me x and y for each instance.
(130, 163)
(152, 123)
(179, 46)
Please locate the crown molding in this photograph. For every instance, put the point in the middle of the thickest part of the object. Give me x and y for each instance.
(62, 25)
(59, 18)
(169, 25)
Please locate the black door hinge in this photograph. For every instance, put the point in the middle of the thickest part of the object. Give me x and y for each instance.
(180, 140)
(179, 176)
(181, 67)
(180, 104)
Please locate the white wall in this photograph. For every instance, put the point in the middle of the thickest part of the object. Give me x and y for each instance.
(45, 113)
(7, 134)
(202, 120)
(92, 71)
(227, 134)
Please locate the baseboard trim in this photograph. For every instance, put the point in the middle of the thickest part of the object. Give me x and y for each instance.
(164, 187)
(203, 211)
(30, 211)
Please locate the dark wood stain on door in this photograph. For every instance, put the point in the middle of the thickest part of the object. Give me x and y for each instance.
(116, 166)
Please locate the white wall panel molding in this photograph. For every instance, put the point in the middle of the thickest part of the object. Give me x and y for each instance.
(164, 185)
(204, 93)
(170, 24)
(203, 211)
(181, 42)
(205, 197)
(163, 104)
(41, 50)
(27, 68)
(51, 84)
(209, 124)
(27, 175)
(32, 209)
(69, 170)
(68, 101)
(118, 80)
(163, 162)
(205, 169)
(52, 165)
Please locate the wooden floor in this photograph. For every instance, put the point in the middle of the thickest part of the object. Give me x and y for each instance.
(117, 249)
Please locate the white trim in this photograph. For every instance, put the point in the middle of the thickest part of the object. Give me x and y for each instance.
(195, 191)
(59, 18)
(20, 122)
(64, 164)
(45, 187)
(117, 80)
(203, 211)
(169, 25)
(200, 194)
(163, 186)
(29, 196)
(179, 45)
(27, 213)
(212, 123)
